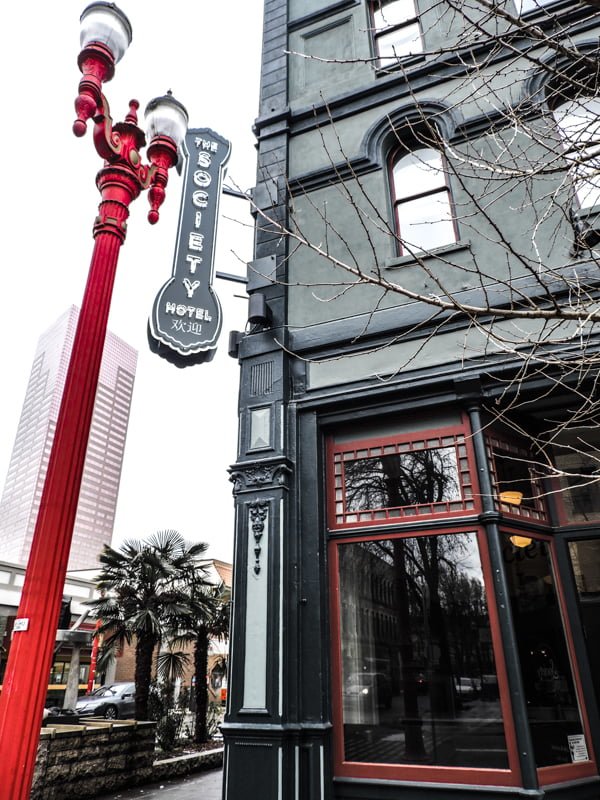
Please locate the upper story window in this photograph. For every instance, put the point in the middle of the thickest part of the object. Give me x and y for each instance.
(396, 31)
(578, 122)
(422, 202)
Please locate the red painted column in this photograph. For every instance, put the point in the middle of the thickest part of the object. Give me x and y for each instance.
(26, 678)
(93, 661)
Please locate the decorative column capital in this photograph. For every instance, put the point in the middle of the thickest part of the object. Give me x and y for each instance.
(260, 475)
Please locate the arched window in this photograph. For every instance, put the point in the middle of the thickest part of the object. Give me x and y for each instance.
(578, 122)
(422, 203)
(396, 31)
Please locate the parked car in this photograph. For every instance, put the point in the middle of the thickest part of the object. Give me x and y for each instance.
(370, 684)
(467, 687)
(114, 701)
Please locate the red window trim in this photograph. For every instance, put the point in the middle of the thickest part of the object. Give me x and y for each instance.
(560, 773)
(433, 774)
(460, 429)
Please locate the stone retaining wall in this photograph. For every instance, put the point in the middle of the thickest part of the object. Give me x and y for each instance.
(85, 760)
(75, 761)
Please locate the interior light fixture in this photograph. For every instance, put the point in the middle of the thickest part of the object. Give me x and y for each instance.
(511, 498)
(520, 541)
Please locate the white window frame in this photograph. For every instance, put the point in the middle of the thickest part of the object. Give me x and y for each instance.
(422, 188)
(396, 30)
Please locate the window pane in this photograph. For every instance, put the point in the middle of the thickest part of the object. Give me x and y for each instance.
(418, 676)
(426, 222)
(418, 172)
(398, 43)
(585, 558)
(513, 474)
(402, 479)
(579, 120)
(395, 13)
(577, 454)
(550, 696)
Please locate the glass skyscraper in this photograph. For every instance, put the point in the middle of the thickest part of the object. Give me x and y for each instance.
(102, 472)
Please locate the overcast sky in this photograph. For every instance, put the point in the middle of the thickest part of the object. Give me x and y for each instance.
(183, 425)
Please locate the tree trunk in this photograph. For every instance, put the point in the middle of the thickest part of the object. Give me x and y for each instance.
(201, 690)
(144, 649)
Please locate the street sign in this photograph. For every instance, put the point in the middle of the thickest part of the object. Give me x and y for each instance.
(186, 317)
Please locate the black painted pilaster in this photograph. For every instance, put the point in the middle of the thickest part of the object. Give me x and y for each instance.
(489, 519)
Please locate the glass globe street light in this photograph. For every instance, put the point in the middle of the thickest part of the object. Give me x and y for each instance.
(105, 35)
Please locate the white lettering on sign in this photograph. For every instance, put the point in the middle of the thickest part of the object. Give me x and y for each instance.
(198, 219)
(195, 241)
(20, 625)
(204, 159)
(183, 326)
(202, 178)
(193, 261)
(181, 310)
(200, 199)
(190, 287)
(207, 144)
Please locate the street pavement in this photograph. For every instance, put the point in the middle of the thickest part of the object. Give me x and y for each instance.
(201, 785)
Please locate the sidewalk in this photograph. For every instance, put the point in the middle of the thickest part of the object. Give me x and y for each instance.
(206, 785)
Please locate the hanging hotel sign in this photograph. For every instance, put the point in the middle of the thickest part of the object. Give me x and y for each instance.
(186, 317)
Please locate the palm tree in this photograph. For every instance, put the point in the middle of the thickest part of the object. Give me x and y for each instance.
(208, 619)
(214, 626)
(143, 599)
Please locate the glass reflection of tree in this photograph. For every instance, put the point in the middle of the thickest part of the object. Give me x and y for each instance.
(440, 610)
(465, 613)
(402, 479)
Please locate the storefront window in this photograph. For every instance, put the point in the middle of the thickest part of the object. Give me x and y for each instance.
(552, 707)
(418, 676)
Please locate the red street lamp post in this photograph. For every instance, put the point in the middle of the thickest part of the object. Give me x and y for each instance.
(105, 35)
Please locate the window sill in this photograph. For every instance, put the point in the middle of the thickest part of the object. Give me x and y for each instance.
(400, 64)
(437, 252)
